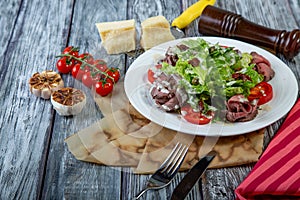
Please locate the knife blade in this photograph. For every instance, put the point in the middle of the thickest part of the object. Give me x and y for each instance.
(188, 16)
(192, 176)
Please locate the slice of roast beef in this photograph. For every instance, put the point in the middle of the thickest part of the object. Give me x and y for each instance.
(263, 66)
(171, 59)
(182, 47)
(181, 96)
(194, 62)
(257, 58)
(239, 109)
(165, 94)
(240, 76)
(266, 71)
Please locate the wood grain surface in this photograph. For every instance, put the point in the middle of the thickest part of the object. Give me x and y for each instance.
(34, 161)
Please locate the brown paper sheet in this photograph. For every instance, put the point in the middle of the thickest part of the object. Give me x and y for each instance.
(125, 138)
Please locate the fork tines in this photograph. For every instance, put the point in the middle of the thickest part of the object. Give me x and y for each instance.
(174, 160)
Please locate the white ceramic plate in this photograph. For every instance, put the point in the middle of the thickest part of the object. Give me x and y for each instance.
(284, 84)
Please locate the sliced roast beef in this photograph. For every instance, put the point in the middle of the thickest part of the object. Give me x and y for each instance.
(194, 62)
(171, 105)
(171, 59)
(161, 76)
(182, 47)
(165, 92)
(240, 76)
(173, 81)
(263, 66)
(266, 71)
(239, 109)
(257, 58)
(181, 96)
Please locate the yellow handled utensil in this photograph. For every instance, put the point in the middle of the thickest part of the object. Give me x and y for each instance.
(188, 16)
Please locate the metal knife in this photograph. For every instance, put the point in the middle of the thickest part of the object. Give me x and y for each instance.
(188, 16)
(192, 176)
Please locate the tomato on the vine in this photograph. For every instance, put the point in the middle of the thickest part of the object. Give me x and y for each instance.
(87, 58)
(101, 65)
(92, 73)
(77, 72)
(74, 51)
(263, 91)
(114, 73)
(65, 65)
(104, 87)
(89, 80)
(194, 117)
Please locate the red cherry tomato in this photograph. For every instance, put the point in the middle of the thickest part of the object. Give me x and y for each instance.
(87, 58)
(89, 80)
(64, 65)
(194, 117)
(114, 73)
(104, 87)
(224, 46)
(262, 91)
(151, 77)
(158, 66)
(77, 72)
(71, 50)
(101, 65)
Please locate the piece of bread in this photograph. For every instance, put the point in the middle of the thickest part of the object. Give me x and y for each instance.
(155, 30)
(118, 36)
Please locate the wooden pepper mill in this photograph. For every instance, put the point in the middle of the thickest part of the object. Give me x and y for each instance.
(217, 22)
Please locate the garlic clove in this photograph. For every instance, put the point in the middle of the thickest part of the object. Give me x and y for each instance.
(44, 83)
(68, 101)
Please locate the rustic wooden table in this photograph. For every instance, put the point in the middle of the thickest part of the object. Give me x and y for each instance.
(34, 161)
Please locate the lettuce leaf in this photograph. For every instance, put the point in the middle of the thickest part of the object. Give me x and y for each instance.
(214, 77)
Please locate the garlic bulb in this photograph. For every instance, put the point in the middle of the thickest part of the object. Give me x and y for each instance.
(68, 101)
(44, 83)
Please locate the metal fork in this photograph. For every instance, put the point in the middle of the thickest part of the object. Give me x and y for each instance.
(164, 175)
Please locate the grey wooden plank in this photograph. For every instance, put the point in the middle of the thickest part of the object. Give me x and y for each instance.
(9, 13)
(26, 120)
(66, 177)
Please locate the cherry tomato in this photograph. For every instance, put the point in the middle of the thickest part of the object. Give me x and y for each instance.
(104, 87)
(77, 72)
(64, 65)
(71, 50)
(101, 65)
(89, 80)
(114, 73)
(151, 77)
(194, 117)
(158, 66)
(87, 58)
(262, 91)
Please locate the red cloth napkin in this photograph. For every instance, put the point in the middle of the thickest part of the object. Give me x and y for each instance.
(276, 175)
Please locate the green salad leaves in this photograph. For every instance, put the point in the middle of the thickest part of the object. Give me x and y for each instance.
(222, 72)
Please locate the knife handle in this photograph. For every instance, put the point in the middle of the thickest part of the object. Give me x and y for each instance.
(217, 22)
(191, 13)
